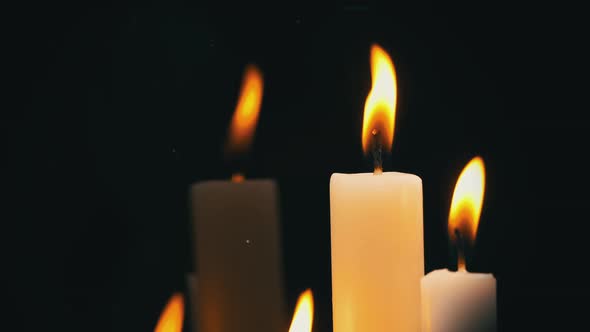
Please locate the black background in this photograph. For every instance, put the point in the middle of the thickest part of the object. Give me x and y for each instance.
(117, 109)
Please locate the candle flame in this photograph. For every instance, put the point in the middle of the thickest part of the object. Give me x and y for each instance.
(379, 113)
(467, 203)
(303, 316)
(238, 178)
(172, 316)
(245, 118)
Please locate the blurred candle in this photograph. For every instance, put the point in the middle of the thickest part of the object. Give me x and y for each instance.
(376, 227)
(237, 237)
(461, 301)
(172, 316)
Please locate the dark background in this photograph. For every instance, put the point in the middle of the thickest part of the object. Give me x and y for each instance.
(118, 109)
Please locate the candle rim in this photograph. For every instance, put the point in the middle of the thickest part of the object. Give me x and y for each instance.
(389, 174)
(446, 271)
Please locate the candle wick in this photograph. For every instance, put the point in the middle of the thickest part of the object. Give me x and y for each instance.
(461, 266)
(377, 157)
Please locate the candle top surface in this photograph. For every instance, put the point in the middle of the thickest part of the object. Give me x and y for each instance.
(369, 177)
(229, 180)
(442, 273)
(245, 185)
(382, 174)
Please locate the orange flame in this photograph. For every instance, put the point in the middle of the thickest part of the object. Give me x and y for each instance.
(379, 114)
(172, 316)
(245, 117)
(238, 178)
(467, 202)
(303, 316)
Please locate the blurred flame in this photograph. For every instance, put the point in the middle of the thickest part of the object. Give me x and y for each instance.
(247, 110)
(238, 177)
(467, 202)
(303, 316)
(379, 114)
(172, 316)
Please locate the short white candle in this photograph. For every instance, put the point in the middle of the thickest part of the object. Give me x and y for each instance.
(376, 227)
(461, 301)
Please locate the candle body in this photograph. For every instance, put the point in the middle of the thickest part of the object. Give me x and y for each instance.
(377, 251)
(458, 302)
(238, 256)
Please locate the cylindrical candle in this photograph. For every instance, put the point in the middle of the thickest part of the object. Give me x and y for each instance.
(461, 301)
(376, 226)
(237, 237)
(238, 256)
(377, 251)
(458, 302)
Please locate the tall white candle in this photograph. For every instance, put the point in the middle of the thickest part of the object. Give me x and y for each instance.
(376, 227)
(461, 301)
(237, 238)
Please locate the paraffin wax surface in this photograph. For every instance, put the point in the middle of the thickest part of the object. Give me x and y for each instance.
(238, 257)
(458, 302)
(377, 251)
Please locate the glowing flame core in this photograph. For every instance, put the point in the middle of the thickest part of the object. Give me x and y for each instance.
(303, 316)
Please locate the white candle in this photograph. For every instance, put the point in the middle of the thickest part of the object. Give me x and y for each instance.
(376, 228)
(461, 301)
(238, 256)
(237, 238)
